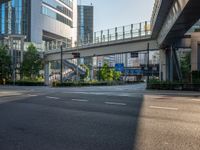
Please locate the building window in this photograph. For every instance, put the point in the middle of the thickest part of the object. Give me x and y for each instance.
(61, 8)
(54, 15)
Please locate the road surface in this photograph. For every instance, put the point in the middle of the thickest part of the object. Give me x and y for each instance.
(98, 118)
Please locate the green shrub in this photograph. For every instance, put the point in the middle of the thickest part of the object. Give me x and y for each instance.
(196, 77)
(26, 83)
(91, 83)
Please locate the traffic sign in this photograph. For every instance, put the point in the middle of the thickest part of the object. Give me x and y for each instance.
(119, 67)
(76, 55)
(134, 55)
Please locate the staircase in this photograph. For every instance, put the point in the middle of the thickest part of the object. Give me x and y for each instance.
(73, 67)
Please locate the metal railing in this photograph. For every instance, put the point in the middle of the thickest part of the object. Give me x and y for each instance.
(119, 33)
(73, 66)
(129, 32)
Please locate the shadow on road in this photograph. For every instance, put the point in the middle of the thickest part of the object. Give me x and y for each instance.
(41, 123)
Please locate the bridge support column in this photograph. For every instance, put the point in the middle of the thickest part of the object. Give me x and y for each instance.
(47, 73)
(163, 69)
(195, 56)
(169, 65)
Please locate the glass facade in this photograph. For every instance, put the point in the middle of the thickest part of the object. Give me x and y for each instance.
(57, 11)
(58, 6)
(85, 24)
(14, 17)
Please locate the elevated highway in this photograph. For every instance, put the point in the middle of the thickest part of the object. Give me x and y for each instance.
(172, 19)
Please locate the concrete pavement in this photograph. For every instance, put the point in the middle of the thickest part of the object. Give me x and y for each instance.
(100, 118)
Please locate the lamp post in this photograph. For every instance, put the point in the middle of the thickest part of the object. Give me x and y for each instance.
(148, 63)
(61, 64)
(14, 63)
(77, 74)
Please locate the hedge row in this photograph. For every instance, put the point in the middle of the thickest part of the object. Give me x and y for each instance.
(78, 84)
(174, 86)
(196, 77)
(26, 83)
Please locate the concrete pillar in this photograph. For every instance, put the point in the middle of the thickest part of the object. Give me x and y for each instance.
(163, 67)
(171, 65)
(22, 49)
(195, 56)
(47, 73)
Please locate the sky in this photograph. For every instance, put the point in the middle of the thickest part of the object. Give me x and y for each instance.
(113, 13)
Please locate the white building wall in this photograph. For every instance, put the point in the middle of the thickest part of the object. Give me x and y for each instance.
(36, 19)
(40, 22)
(75, 29)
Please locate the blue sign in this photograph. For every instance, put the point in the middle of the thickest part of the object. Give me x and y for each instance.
(119, 67)
(133, 72)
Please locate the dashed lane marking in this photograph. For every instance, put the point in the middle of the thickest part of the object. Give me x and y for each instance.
(114, 103)
(80, 100)
(31, 95)
(52, 97)
(165, 108)
(196, 100)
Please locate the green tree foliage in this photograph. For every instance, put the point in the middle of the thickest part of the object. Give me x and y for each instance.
(186, 65)
(5, 63)
(117, 75)
(108, 74)
(32, 63)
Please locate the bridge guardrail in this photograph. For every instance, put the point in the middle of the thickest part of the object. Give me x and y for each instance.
(132, 31)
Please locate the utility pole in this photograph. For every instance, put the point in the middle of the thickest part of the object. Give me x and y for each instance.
(61, 64)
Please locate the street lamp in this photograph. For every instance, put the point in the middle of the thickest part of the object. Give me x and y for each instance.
(61, 64)
(148, 62)
(14, 63)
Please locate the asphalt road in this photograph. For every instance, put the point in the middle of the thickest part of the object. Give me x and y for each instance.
(98, 118)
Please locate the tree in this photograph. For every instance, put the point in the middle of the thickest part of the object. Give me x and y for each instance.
(104, 72)
(32, 63)
(108, 74)
(117, 75)
(5, 63)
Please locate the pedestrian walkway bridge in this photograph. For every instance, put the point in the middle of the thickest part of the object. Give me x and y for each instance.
(134, 37)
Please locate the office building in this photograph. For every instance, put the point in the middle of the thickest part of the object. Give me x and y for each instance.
(85, 24)
(46, 23)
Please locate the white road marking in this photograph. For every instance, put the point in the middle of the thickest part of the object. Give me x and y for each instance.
(31, 95)
(196, 100)
(52, 97)
(166, 108)
(80, 100)
(113, 103)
